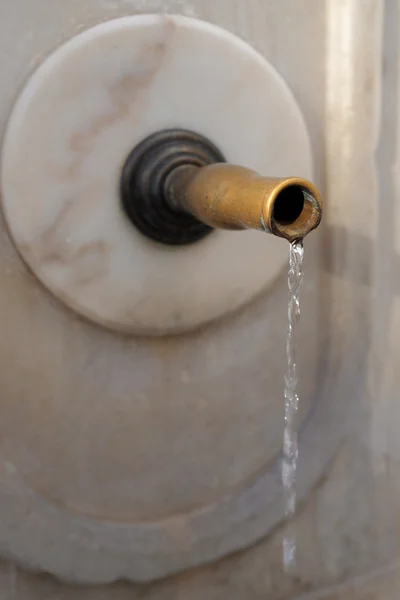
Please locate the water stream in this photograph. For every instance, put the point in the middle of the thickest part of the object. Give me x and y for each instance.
(290, 449)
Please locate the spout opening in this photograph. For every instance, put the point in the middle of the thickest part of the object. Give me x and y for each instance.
(296, 211)
(288, 205)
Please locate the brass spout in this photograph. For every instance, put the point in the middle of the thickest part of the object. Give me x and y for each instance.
(176, 188)
(231, 197)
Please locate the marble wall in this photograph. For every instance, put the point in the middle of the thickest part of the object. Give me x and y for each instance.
(341, 60)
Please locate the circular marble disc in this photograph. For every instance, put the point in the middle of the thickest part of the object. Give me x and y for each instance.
(70, 132)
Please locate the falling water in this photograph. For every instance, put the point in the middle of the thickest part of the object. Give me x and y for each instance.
(290, 450)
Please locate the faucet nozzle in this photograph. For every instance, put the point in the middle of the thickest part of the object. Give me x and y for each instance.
(177, 188)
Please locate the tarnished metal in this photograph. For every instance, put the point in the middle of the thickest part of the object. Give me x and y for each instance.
(174, 194)
(232, 197)
(143, 190)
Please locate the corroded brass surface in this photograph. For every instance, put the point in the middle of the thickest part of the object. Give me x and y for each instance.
(232, 197)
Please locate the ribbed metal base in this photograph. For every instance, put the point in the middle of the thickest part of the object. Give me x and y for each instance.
(143, 178)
